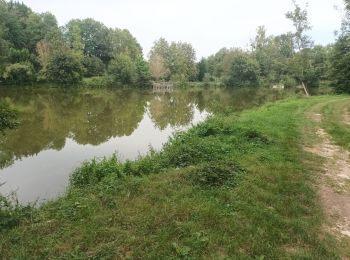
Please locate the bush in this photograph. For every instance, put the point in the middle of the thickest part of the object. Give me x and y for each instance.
(11, 213)
(151, 163)
(93, 172)
(190, 149)
(220, 174)
(97, 82)
(19, 73)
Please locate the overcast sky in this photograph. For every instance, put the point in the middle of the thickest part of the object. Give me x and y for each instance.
(207, 24)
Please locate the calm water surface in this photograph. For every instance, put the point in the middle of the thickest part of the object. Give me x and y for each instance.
(61, 128)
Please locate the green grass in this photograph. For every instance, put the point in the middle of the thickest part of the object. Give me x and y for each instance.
(333, 121)
(236, 186)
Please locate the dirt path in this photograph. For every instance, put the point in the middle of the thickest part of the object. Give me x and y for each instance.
(335, 182)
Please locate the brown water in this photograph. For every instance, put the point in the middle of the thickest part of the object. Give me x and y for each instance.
(61, 128)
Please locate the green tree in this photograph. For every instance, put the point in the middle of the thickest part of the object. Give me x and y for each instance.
(340, 57)
(202, 69)
(176, 60)
(95, 38)
(41, 27)
(143, 73)
(340, 62)
(75, 40)
(65, 67)
(122, 41)
(299, 17)
(244, 72)
(122, 69)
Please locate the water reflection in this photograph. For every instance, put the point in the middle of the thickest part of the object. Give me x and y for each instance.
(60, 128)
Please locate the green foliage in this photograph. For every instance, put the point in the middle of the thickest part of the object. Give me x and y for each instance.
(244, 72)
(97, 82)
(202, 69)
(334, 122)
(122, 41)
(65, 67)
(92, 172)
(8, 117)
(174, 61)
(94, 38)
(222, 173)
(27, 37)
(18, 55)
(142, 72)
(93, 66)
(299, 17)
(11, 213)
(19, 73)
(340, 61)
(122, 69)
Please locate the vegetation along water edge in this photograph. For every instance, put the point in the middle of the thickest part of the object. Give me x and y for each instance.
(229, 187)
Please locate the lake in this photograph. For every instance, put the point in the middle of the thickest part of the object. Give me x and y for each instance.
(61, 128)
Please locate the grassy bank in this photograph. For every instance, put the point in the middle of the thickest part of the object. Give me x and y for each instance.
(236, 186)
(336, 120)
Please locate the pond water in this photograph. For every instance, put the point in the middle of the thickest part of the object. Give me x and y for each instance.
(61, 128)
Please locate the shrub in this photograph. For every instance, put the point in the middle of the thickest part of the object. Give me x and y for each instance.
(19, 73)
(93, 172)
(97, 82)
(220, 174)
(151, 163)
(189, 149)
(11, 213)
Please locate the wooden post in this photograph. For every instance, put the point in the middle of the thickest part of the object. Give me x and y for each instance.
(305, 89)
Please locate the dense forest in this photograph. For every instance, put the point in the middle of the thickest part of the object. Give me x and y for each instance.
(34, 49)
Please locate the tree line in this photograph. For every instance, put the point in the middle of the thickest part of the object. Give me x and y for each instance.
(289, 59)
(33, 48)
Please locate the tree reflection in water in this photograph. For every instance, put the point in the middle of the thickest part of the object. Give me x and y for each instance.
(82, 123)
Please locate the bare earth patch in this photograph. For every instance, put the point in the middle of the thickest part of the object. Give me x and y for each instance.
(335, 188)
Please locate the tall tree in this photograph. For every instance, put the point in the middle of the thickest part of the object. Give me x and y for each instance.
(202, 69)
(95, 37)
(157, 67)
(299, 17)
(178, 59)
